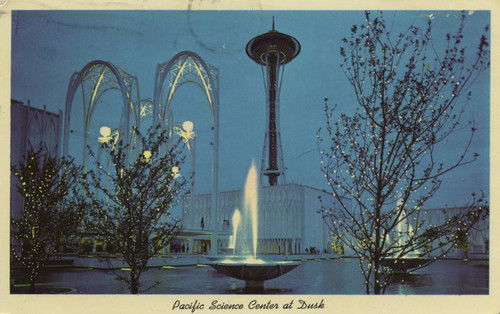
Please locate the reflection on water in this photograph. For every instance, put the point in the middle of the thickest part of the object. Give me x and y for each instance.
(445, 277)
(338, 276)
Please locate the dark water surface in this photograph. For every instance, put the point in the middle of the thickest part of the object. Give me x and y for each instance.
(337, 276)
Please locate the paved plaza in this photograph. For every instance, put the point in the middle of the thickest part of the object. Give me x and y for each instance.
(317, 276)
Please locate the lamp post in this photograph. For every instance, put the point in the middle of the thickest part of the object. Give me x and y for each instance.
(105, 131)
(188, 126)
(107, 135)
(185, 131)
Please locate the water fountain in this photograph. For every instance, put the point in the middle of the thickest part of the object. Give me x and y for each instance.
(245, 228)
(413, 259)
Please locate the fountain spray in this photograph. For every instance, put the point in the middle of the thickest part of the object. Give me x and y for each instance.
(236, 223)
(250, 205)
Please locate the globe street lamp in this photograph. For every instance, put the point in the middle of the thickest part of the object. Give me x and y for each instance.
(185, 131)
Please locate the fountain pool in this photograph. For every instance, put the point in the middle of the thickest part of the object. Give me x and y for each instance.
(245, 231)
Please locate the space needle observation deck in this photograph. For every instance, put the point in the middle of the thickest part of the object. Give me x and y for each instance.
(272, 51)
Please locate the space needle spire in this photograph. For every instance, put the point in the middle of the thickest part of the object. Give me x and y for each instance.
(272, 50)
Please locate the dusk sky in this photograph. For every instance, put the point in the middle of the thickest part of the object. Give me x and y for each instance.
(48, 46)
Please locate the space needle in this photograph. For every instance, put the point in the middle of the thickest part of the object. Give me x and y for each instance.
(272, 51)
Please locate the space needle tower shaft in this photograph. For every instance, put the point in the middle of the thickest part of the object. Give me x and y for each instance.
(272, 51)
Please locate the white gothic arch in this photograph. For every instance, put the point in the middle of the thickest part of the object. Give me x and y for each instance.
(188, 67)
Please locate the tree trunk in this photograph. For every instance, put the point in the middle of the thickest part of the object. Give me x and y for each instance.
(134, 283)
(376, 280)
(32, 284)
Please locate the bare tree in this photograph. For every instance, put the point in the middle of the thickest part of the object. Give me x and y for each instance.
(52, 210)
(381, 162)
(132, 200)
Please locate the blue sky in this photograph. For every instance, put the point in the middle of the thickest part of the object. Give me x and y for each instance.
(48, 46)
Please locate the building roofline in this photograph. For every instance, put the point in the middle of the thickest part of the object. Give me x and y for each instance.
(12, 100)
(266, 187)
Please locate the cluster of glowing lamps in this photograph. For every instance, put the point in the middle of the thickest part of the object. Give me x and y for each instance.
(186, 133)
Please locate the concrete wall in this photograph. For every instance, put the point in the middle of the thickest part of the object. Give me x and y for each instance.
(288, 217)
(316, 231)
(478, 235)
(289, 222)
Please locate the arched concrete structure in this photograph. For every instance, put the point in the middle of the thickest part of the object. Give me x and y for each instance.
(188, 67)
(95, 79)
